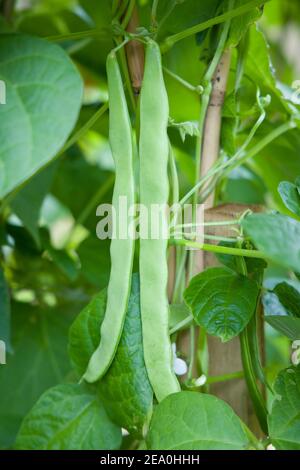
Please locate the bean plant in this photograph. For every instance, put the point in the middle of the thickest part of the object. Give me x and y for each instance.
(111, 342)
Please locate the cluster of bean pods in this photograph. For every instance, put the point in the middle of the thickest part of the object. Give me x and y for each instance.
(154, 189)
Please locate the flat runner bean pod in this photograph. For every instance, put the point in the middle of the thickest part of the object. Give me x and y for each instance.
(121, 250)
(154, 189)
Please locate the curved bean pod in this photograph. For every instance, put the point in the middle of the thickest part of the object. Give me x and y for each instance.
(121, 250)
(154, 189)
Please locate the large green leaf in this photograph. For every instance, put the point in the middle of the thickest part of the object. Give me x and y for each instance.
(39, 361)
(290, 195)
(287, 145)
(95, 261)
(284, 420)
(222, 301)
(84, 335)
(288, 326)
(28, 202)
(76, 172)
(68, 417)
(240, 24)
(43, 94)
(278, 236)
(174, 16)
(289, 297)
(125, 389)
(195, 421)
(258, 53)
(4, 311)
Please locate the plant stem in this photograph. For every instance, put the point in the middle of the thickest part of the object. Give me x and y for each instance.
(106, 186)
(256, 397)
(115, 6)
(248, 366)
(121, 10)
(89, 33)
(83, 130)
(180, 272)
(181, 324)
(192, 352)
(219, 249)
(287, 126)
(193, 235)
(128, 14)
(209, 224)
(166, 16)
(234, 162)
(241, 10)
(195, 89)
(154, 12)
(225, 377)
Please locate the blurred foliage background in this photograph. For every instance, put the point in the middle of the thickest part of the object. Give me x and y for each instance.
(51, 258)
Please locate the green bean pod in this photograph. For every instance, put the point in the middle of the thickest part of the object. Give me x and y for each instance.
(154, 189)
(121, 250)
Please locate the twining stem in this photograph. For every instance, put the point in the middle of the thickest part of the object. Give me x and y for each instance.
(257, 399)
(233, 13)
(187, 321)
(248, 364)
(174, 176)
(89, 33)
(83, 130)
(180, 273)
(225, 377)
(264, 141)
(154, 12)
(128, 14)
(166, 16)
(192, 352)
(115, 6)
(125, 71)
(121, 10)
(209, 224)
(234, 162)
(218, 249)
(103, 189)
(196, 89)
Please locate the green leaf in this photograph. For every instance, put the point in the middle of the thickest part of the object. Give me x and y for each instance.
(244, 187)
(258, 53)
(68, 417)
(239, 25)
(179, 315)
(43, 94)
(289, 193)
(288, 326)
(28, 202)
(222, 301)
(39, 361)
(61, 258)
(4, 311)
(289, 297)
(284, 420)
(195, 421)
(183, 14)
(95, 262)
(277, 236)
(84, 333)
(255, 266)
(125, 389)
(271, 156)
(76, 172)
